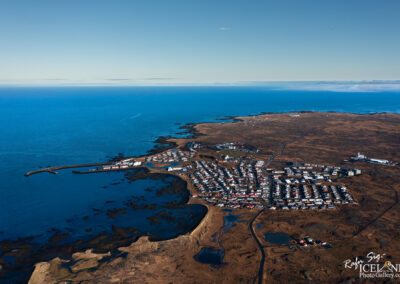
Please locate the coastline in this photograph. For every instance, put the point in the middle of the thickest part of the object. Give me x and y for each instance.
(51, 250)
(181, 142)
(162, 144)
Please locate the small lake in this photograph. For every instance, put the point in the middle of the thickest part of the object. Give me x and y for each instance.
(211, 256)
(277, 238)
(230, 220)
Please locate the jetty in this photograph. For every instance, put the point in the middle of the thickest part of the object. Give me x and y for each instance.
(54, 169)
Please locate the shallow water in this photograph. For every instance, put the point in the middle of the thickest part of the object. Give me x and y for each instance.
(277, 238)
(153, 205)
(230, 220)
(211, 256)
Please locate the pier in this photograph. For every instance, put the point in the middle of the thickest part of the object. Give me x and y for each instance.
(56, 168)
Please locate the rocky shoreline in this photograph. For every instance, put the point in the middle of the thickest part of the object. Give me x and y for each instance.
(18, 257)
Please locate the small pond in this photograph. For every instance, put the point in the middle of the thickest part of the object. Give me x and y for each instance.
(211, 256)
(230, 220)
(278, 238)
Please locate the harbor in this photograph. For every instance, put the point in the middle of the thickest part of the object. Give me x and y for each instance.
(241, 181)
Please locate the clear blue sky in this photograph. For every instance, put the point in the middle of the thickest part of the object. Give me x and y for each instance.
(188, 41)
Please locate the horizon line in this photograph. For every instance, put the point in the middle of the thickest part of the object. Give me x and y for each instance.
(131, 83)
(320, 85)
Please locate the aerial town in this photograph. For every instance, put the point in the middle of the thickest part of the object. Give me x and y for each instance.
(172, 156)
(280, 194)
(251, 185)
(278, 198)
(243, 182)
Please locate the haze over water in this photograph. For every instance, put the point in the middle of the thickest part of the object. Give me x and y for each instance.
(58, 126)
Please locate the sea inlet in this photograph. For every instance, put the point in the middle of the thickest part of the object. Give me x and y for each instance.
(153, 205)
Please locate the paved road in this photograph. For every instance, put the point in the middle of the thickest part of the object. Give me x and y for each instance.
(279, 152)
(261, 268)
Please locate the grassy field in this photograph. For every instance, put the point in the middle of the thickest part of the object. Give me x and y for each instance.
(232, 153)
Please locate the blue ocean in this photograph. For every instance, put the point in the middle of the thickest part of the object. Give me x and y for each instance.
(57, 126)
(42, 126)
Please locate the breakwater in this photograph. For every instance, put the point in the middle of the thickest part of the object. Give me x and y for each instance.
(56, 168)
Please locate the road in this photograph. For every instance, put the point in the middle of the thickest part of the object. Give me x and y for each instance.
(279, 152)
(261, 268)
(362, 228)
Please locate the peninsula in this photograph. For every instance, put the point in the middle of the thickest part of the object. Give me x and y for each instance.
(286, 203)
